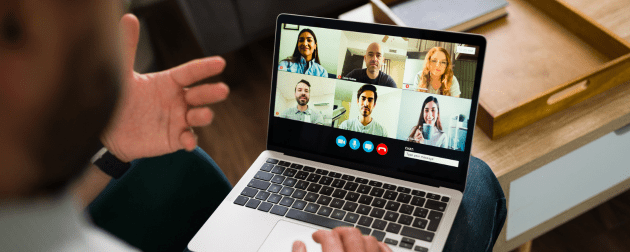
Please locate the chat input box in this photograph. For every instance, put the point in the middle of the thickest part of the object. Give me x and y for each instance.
(432, 159)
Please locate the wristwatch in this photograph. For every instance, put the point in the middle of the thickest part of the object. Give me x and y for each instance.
(109, 164)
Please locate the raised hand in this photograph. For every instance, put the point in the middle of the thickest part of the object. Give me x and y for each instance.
(157, 111)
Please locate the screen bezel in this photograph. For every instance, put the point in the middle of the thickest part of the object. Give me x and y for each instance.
(453, 37)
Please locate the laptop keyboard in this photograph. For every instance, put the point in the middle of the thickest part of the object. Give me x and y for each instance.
(330, 199)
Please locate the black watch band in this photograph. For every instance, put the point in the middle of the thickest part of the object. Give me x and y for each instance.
(110, 164)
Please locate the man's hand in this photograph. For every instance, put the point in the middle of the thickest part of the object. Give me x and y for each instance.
(344, 239)
(156, 110)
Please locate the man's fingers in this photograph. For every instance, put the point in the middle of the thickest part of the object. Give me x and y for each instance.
(131, 33)
(197, 70)
(371, 244)
(206, 94)
(298, 246)
(384, 247)
(330, 241)
(188, 140)
(351, 238)
(199, 117)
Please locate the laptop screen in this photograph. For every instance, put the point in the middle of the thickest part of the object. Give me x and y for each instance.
(395, 101)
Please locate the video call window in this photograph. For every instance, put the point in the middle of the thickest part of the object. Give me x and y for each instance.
(304, 98)
(309, 50)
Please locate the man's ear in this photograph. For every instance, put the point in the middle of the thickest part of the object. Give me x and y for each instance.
(12, 33)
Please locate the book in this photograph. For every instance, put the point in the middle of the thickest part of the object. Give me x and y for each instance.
(450, 15)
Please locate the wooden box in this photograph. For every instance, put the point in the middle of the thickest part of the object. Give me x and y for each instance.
(544, 57)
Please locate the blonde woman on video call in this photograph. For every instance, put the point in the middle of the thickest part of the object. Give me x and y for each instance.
(437, 75)
(429, 128)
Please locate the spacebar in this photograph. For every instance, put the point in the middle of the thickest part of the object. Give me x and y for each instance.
(316, 219)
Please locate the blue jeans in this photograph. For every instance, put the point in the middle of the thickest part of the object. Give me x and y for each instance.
(161, 203)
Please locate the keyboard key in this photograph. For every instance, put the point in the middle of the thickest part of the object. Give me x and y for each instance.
(375, 183)
(392, 205)
(252, 203)
(289, 182)
(420, 249)
(265, 206)
(326, 180)
(365, 221)
(351, 186)
(312, 208)
(321, 172)
(435, 205)
(275, 188)
(421, 212)
(338, 183)
(284, 163)
(418, 201)
(337, 203)
(287, 201)
(363, 209)
(272, 161)
(350, 206)
(406, 209)
(316, 220)
(361, 180)
(274, 198)
(365, 189)
(338, 193)
(391, 216)
(266, 167)
(352, 218)
(289, 172)
(433, 196)
(308, 169)
(434, 220)
(377, 192)
(364, 230)
(279, 210)
(408, 240)
(335, 175)
(364, 199)
(327, 190)
(378, 202)
(258, 184)
(417, 234)
(352, 197)
(389, 187)
(445, 199)
(338, 214)
(377, 213)
(420, 223)
(324, 211)
(301, 185)
(348, 177)
(296, 166)
(299, 204)
(391, 241)
(406, 245)
(393, 228)
(311, 197)
(249, 192)
(390, 195)
(278, 169)
(313, 177)
(301, 175)
(379, 224)
(287, 191)
(298, 194)
(240, 200)
(324, 200)
(262, 195)
(277, 179)
(405, 219)
(263, 175)
(418, 193)
(378, 235)
(404, 198)
(314, 187)
(403, 190)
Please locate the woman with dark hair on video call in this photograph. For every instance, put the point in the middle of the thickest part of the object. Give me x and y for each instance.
(437, 75)
(305, 58)
(429, 128)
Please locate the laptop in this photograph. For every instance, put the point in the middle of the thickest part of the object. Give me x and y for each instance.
(359, 135)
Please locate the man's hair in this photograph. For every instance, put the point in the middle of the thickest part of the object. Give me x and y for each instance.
(367, 87)
(302, 81)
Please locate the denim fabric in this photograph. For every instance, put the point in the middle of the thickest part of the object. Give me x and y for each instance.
(303, 67)
(482, 212)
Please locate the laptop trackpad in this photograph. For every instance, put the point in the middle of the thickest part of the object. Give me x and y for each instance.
(285, 233)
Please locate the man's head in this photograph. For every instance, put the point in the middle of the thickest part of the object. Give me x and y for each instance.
(374, 57)
(59, 68)
(303, 92)
(366, 99)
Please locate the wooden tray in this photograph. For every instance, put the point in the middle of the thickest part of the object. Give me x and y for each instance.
(544, 57)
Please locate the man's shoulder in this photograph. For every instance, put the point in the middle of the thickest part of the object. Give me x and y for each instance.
(288, 111)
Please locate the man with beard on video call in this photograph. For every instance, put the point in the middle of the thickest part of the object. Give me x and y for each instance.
(302, 112)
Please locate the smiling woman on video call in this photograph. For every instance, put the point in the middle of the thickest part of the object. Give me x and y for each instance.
(305, 58)
(429, 116)
(437, 75)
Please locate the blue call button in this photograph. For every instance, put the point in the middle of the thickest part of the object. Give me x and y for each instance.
(341, 141)
(354, 144)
